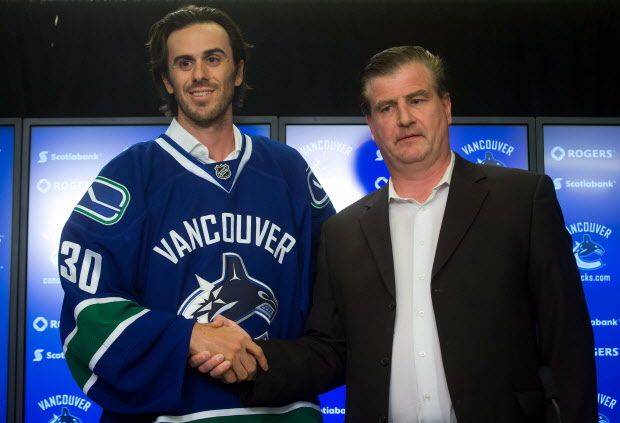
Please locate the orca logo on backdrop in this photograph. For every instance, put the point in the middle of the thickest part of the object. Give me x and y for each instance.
(588, 238)
(603, 418)
(588, 253)
(490, 160)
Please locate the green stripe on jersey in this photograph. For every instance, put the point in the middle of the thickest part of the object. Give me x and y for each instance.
(98, 326)
(298, 415)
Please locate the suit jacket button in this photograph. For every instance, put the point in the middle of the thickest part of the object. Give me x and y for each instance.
(383, 419)
(385, 361)
(392, 306)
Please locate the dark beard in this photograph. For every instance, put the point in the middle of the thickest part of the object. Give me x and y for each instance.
(213, 117)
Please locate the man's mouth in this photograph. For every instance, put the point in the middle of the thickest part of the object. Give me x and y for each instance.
(409, 136)
(201, 92)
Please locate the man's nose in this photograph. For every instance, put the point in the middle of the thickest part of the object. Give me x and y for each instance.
(200, 71)
(405, 115)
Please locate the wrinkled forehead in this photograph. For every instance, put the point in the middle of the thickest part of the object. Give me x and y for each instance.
(407, 77)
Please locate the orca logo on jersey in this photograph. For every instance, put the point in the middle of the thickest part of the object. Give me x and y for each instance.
(235, 295)
(222, 171)
(319, 197)
(105, 201)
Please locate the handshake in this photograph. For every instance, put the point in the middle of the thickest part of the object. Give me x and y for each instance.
(225, 351)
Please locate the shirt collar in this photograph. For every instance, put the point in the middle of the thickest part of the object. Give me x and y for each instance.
(444, 181)
(188, 142)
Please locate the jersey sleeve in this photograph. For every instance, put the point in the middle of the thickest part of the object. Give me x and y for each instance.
(126, 357)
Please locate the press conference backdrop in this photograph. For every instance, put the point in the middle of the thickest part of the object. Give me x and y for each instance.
(348, 164)
(582, 157)
(64, 157)
(8, 132)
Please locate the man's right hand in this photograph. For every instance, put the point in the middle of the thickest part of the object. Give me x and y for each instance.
(240, 353)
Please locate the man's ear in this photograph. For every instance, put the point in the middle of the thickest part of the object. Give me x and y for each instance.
(167, 84)
(239, 73)
(447, 107)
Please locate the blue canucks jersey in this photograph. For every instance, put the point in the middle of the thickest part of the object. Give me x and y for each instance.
(161, 240)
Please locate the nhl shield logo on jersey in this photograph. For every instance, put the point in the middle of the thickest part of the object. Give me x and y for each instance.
(235, 295)
(222, 171)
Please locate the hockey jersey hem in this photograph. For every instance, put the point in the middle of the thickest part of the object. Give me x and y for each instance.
(300, 411)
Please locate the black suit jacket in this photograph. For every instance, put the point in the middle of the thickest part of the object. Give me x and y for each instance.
(506, 294)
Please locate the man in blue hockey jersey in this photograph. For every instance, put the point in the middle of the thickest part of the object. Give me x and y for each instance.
(202, 222)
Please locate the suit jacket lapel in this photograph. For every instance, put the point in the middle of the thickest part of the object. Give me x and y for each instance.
(376, 228)
(466, 195)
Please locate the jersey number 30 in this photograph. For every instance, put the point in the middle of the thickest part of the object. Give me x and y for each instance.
(90, 271)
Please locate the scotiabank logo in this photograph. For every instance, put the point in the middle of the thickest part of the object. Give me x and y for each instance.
(40, 355)
(604, 322)
(44, 156)
(558, 153)
(583, 184)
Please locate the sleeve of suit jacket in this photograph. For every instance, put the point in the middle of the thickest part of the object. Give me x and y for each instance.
(565, 334)
(313, 364)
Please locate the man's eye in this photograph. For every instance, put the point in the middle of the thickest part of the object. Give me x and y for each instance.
(214, 60)
(185, 64)
(385, 109)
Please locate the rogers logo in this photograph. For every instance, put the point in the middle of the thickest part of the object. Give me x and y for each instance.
(558, 153)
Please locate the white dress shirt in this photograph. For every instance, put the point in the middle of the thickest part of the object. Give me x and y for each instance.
(418, 388)
(197, 149)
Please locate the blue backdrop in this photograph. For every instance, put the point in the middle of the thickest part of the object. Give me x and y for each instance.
(584, 164)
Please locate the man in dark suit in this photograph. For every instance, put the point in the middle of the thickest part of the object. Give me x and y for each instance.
(451, 294)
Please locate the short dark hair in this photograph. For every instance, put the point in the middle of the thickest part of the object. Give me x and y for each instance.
(389, 60)
(179, 19)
